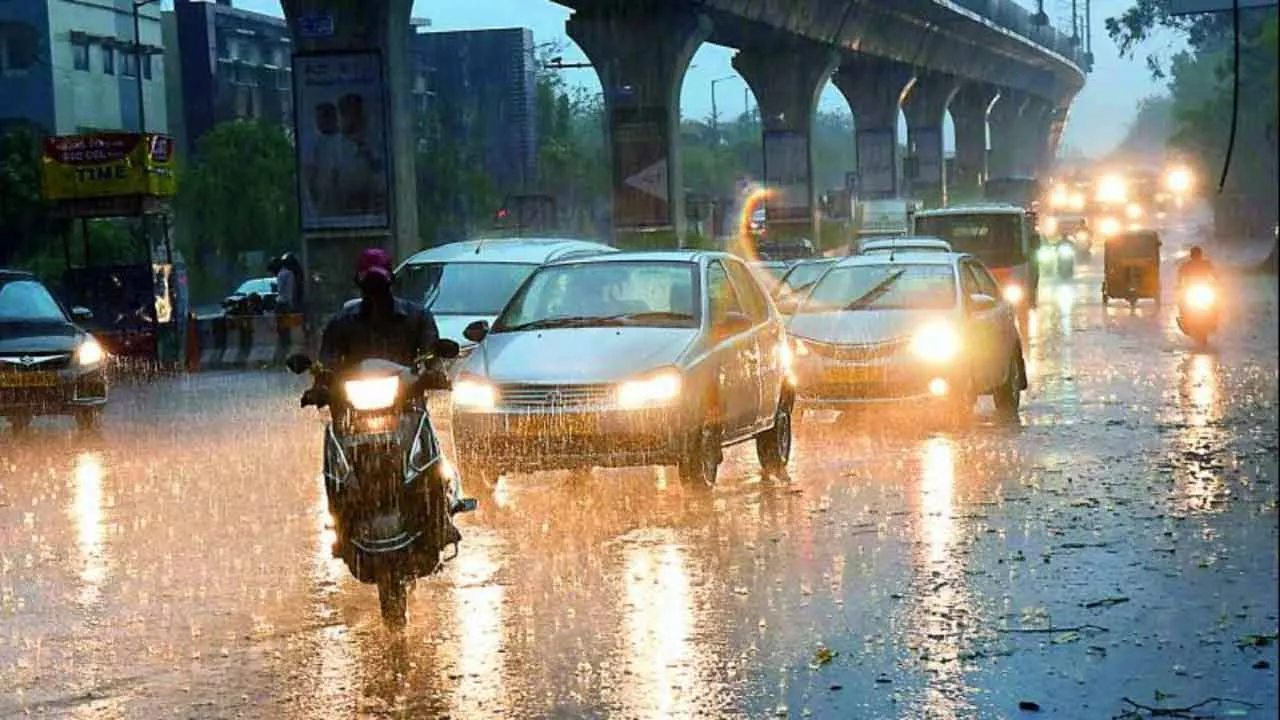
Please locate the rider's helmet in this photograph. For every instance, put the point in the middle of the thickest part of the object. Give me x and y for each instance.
(1196, 252)
(374, 266)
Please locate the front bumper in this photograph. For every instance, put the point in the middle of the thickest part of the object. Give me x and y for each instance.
(833, 384)
(64, 393)
(519, 441)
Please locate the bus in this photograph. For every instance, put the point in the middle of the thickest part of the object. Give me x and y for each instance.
(1001, 236)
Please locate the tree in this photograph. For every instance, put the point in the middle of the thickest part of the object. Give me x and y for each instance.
(26, 223)
(238, 195)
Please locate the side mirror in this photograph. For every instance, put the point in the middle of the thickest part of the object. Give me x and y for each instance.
(81, 314)
(476, 331)
(981, 302)
(298, 363)
(447, 349)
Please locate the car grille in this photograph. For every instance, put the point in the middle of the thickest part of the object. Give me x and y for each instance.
(856, 353)
(555, 397)
(36, 362)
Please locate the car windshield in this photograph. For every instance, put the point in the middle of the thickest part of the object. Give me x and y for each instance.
(261, 286)
(654, 294)
(802, 276)
(28, 301)
(463, 288)
(889, 286)
(993, 238)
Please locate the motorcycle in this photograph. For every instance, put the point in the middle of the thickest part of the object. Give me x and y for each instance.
(1198, 310)
(391, 491)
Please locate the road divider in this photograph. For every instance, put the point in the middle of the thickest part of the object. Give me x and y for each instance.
(251, 341)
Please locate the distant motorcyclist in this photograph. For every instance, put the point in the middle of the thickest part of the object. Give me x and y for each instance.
(1196, 267)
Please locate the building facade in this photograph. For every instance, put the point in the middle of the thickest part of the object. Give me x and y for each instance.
(232, 64)
(72, 66)
(478, 89)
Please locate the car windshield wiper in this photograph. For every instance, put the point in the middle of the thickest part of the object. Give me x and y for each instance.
(566, 322)
(652, 316)
(876, 292)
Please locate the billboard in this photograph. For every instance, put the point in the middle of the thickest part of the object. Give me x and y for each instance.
(343, 160)
(107, 165)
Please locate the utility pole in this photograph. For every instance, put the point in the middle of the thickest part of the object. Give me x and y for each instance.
(137, 54)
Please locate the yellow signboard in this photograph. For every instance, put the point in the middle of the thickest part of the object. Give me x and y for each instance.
(105, 165)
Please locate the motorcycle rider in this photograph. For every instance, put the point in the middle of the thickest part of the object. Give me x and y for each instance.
(1196, 267)
(380, 325)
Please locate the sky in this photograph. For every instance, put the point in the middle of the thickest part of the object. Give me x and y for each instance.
(1099, 116)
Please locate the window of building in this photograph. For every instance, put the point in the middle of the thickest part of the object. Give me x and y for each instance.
(18, 47)
(130, 63)
(224, 48)
(108, 60)
(80, 53)
(146, 65)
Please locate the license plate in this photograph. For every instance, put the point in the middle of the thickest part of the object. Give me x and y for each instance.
(550, 425)
(853, 374)
(33, 379)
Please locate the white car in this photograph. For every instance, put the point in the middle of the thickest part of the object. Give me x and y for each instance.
(625, 359)
(923, 326)
(472, 280)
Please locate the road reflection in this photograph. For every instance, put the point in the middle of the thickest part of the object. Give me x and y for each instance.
(480, 619)
(87, 514)
(1199, 485)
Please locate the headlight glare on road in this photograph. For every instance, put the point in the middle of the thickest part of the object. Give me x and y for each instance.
(474, 394)
(1200, 297)
(90, 353)
(1065, 251)
(659, 388)
(936, 342)
(372, 393)
(1014, 293)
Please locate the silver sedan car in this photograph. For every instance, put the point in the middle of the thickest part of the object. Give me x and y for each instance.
(914, 326)
(624, 359)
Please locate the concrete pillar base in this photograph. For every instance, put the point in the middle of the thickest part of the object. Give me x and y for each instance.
(641, 51)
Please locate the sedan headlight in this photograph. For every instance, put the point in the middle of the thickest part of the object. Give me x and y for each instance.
(372, 393)
(936, 342)
(657, 389)
(90, 353)
(474, 394)
(1066, 251)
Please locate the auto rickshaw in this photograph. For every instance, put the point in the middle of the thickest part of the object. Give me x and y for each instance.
(1131, 267)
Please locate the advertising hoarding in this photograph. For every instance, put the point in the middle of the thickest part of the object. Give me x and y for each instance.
(107, 165)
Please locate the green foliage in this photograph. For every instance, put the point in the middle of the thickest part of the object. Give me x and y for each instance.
(238, 195)
(26, 223)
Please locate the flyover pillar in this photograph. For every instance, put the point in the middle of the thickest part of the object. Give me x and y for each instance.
(351, 80)
(969, 110)
(641, 50)
(1020, 134)
(925, 106)
(875, 89)
(786, 83)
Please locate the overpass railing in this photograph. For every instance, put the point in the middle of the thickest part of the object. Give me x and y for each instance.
(1017, 19)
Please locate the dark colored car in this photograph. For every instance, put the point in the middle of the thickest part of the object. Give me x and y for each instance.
(253, 297)
(48, 364)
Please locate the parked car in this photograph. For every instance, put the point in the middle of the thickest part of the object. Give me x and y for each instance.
(48, 364)
(626, 359)
(797, 281)
(472, 280)
(253, 297)
(922, 326)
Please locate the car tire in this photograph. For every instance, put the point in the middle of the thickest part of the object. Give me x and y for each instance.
(1008, 397)
(773, 446)
(701, 455)
(88, 419)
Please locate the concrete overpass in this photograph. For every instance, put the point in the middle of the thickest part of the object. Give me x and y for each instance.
(987, 61)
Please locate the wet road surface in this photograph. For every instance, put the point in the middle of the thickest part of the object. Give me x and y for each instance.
(1121, 541)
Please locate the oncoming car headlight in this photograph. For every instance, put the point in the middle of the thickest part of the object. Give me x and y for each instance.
(372, 393)
(659, 388)
(90, 353)
(936, 342)
(474, 393)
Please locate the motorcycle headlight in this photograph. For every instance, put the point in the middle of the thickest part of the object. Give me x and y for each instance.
(90, 353)
(1014, 293)
(936, 342)
(1066, 251)
(1200, 297)
(1045, 253)
(474, 394)
(659, 388)
(372, 393)
(1109, 226)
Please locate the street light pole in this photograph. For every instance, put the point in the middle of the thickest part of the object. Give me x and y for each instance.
(137, 54)
(715, 130)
